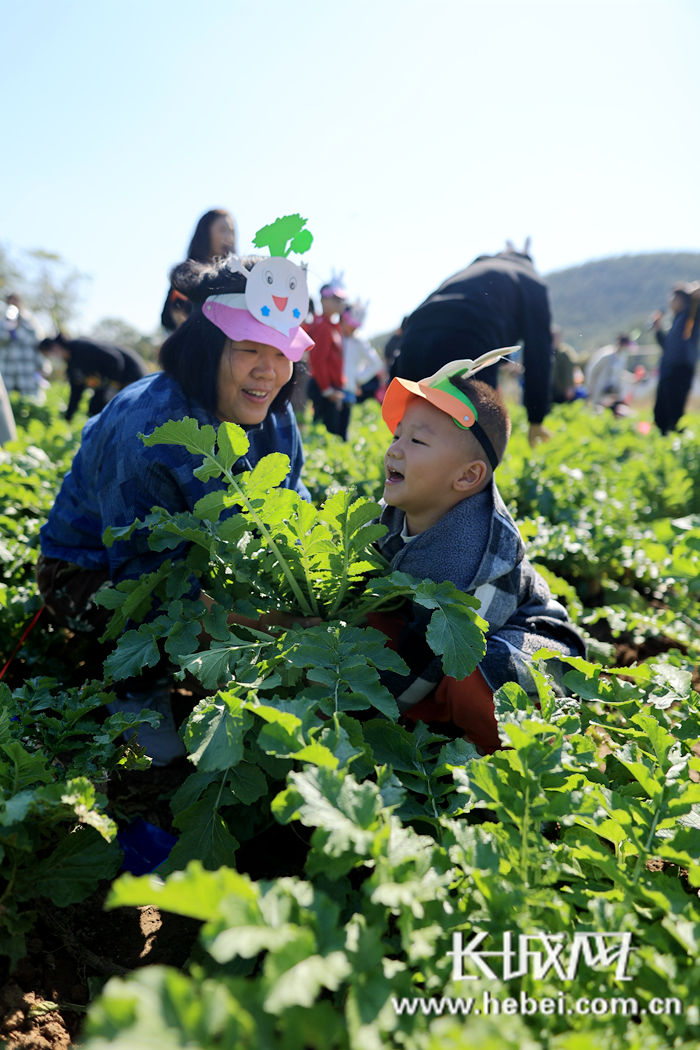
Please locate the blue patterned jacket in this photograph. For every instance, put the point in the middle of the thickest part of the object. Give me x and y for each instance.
(115, 478)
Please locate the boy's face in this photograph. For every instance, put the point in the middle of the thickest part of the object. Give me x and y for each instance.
(331, 305)
(430, 465)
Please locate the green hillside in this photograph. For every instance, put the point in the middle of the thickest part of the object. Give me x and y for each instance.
(595, 301)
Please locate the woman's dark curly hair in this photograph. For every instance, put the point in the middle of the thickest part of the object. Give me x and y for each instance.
(192, 354)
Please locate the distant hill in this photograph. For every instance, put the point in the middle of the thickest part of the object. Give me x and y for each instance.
(594, 302)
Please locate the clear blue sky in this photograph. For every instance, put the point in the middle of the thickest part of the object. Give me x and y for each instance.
(413, 135)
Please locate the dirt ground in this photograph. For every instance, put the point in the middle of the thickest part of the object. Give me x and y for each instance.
(72, 951)
(42, 1004)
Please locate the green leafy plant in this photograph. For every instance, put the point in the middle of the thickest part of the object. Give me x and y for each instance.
(332, 855)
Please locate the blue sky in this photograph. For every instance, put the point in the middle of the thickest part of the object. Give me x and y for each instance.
(412, 135)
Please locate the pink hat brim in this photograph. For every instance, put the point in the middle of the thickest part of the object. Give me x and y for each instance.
(240, 325)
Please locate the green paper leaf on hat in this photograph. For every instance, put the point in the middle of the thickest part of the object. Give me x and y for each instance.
(302, 242)
(284, 235)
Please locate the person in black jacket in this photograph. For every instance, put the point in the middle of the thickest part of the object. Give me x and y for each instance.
(498, 300)
(102, 368)
(679, 355)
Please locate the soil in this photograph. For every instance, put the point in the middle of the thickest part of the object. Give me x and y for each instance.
(66, 963)
(72, 951)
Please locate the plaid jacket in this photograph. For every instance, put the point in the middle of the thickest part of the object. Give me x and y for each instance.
(20, 360)
(515, 600)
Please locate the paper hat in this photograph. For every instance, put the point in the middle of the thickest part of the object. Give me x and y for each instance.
(355, 314)
(335, 288)
(439, 391)
(276, 297)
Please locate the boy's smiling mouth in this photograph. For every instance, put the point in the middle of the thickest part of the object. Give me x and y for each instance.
(393, 476)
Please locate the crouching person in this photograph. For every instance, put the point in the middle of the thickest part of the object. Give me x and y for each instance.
(446, 521)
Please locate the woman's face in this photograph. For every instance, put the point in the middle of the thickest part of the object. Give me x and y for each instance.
(222, 236)
(249, 379)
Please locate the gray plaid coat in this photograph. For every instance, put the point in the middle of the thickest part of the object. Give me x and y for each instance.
(515, 600)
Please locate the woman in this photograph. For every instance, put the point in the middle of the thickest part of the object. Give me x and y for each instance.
(232, 368)
(214, 238)
(679, 355)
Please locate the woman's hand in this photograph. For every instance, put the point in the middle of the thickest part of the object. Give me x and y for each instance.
(286, 620)
(266, 621)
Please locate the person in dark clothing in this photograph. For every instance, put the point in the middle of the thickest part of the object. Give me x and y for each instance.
(102, 368)
(566, 374)
(392, 346)
(496, 301)
(214, 237)
(679, 355)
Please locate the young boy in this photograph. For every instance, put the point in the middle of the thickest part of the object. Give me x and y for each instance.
(447, 521)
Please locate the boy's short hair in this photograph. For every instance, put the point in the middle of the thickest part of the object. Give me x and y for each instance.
(491, 411)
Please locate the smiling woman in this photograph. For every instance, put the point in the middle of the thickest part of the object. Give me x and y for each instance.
(250, 377)
(207, 375)
(220, 365)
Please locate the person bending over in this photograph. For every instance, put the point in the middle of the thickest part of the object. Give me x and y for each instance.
(90, 365)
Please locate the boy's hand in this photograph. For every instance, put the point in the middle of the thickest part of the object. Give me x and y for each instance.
(537, 433)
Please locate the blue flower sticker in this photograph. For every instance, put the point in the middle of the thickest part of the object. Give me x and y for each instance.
(295, 313)
(265, 311)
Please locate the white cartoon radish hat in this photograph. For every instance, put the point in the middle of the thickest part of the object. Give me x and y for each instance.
(276, 297)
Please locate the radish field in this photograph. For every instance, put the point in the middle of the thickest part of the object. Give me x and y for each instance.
(341, 880)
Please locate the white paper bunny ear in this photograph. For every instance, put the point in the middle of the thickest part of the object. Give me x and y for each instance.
(510, 247)
(527, 245)
(234, 264)
(466, 368)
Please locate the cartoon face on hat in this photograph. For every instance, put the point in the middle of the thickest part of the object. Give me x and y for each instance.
(276, 297)
(276, 293)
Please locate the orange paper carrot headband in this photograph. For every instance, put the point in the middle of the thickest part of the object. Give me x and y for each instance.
(440, 391)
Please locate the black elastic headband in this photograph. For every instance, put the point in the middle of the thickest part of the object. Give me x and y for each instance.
(484, 440)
